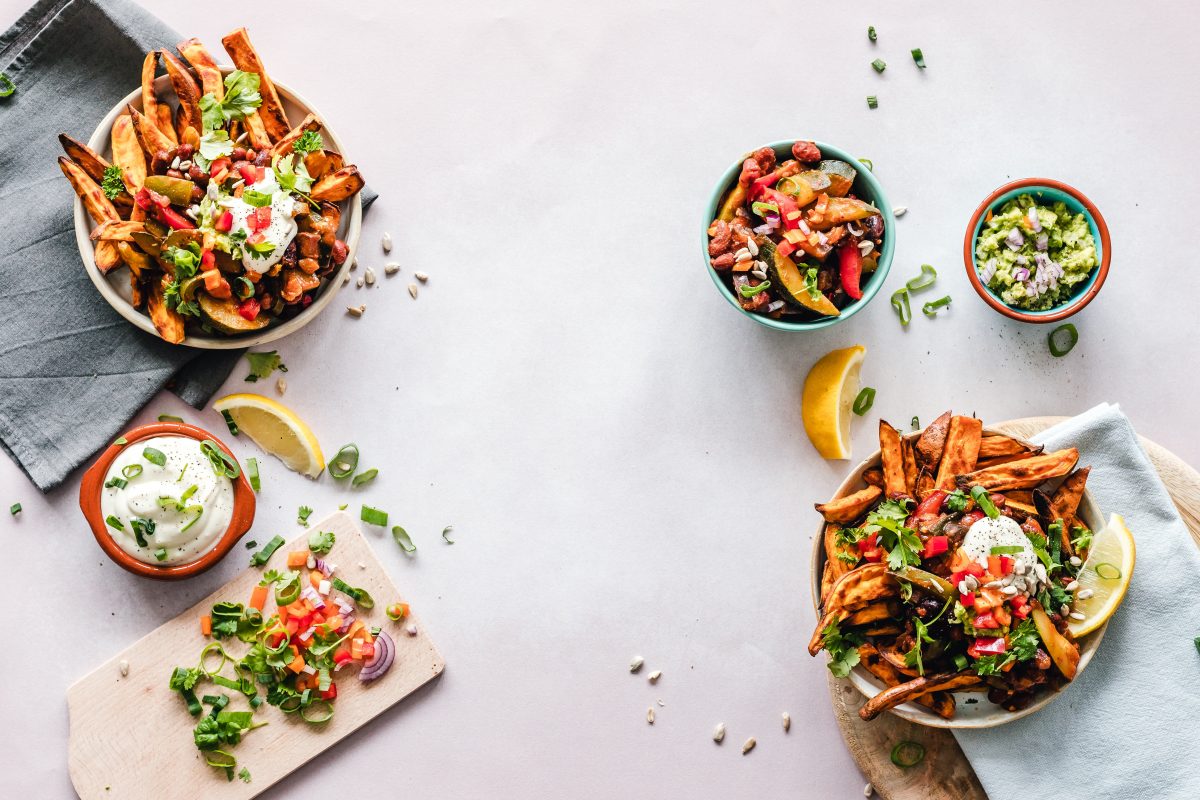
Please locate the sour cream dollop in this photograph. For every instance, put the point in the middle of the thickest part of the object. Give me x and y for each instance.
(280, 231)
(185, 529)
(1003, 531)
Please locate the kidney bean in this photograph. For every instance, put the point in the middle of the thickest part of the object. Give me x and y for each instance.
(197, 194)
(197, 174)
(339, 252)
(160, 162)
(185, 151)
(262, 159)
(238, 154)
(806, 151)
(723, 261)
(721, 237)
(174, 173)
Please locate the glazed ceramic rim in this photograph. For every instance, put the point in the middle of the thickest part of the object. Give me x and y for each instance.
(878, 198)
(92, 487)
(1075, 304)
(868, 685)
(100, 142)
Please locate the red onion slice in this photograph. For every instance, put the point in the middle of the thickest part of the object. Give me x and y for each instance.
(381, 661)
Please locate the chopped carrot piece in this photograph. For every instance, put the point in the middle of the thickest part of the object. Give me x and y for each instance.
(297, 663)
(258, 597)
(297, 558)
(315, 578)
(355, 648)
(206, 625)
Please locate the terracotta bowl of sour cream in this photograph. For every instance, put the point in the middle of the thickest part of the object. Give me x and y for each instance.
(167, 500)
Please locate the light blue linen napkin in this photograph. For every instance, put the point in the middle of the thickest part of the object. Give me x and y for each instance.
(1128, 727)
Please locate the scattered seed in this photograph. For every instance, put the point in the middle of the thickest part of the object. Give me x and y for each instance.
(356, 311)
(1010, 591)
(1076, 561)
(752, 246)
(421, 276)
(1072, 586)
(1084, 594)
(412, 289)
(391, 268)
(1079, 616)
(900, 211)
(719, 733)
(661, 703)
(787, 722)
(749, 745)
(868, 790)
(359, 283)
(281, 386)
(1064, 610)
(411, 630)
(654, 676)
(345, 280)
(354, 264)
(650, 715)
(369, 276)
(636, 663)
(387, 243)
(124, 667)
(742, 256)
(865, 247)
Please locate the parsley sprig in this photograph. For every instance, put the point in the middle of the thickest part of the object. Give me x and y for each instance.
(112, 183)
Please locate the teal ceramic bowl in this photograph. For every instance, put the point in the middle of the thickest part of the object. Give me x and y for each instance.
(1043, 189)
(866, 187)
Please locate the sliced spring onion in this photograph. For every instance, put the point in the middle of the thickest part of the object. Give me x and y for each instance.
(446, 534)
(161, 554)
(214, 648)
(868, 163)
(916, 422)
(187, 493)
(1058, 348)
(1107, 571)
(169, 418)
(871, 33)
(287, 591)
(345, 462)
(155, 456)
(264, 555)
(288, 707)
(864, 401)
(252, 474)
(222, 462)
(879, 65)
(244, 289)
(183, 472)
(373, 516)
(113, 521)
(984, 501)
(363, 478)
(14, 509)
(7, 87)
(116, 483)
(908, 754)
(930, 309)
(1006, 550)
(198, 510)
(762, 209)
(403, 539)
(141, 529)
(924, 280)
(323, 713)
(253, 543)
(131, 471)
(121, 440)
(750, 291)
(901, 304)
(918, 57)
(360, 596)
(872, 101)
(229, 423)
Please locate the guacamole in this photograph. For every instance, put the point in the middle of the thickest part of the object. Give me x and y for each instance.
(1033, 256)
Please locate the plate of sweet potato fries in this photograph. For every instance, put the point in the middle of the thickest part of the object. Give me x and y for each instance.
(944, 572)
(214, 207)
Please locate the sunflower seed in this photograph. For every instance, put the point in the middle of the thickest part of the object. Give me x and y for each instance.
(752, 246)
(662, 703)
(421, 276)
(787, 722)
(1079, 616)
(369, 276)
(356, 311)
(719, 733)
(650, 715)
(184, 166)
(900, 211)
(359, 283)
(1040, 571)
(868, 790)
(1076, 561)
(749, 745)
(391, 268)
(175, 163)
(345, 280)
(1072, 586)
(1084, 594)
(865, 248)
(654, 676)
(1010, 591)
(636, 664)
(354, 264)
(411, 630)
(1064, 609)
(124, 667)
(758, 273)
(387, 243)
(412, 289)
(963, 588)
(281, 387)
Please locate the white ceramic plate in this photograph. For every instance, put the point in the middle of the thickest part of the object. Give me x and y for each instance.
(982, 714)
(114, 287)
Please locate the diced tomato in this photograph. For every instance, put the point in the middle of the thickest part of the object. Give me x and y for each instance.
(869, 542)
(785, 248)
(207, 260)
(264, 217)
(173, 219)
(291, 627)
(329, 693)
(850, 270)
(249, 308)
(873, 556)
(970, 518)
(260, 172)
(1021, 612)
(999, 566)
(936, 546)
(342, 655)
(248, 172)
(1017, 601)
(967, 599)
(224, 222)
(368, 650)
(219, 165)
(145, 199)
(969, 568)
(986, 620)
(985, 646)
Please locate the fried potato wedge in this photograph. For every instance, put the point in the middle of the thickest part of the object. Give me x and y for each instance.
(917, 687)
(137, 295)
(283, 145)
(92, 162)
(875, 612)
(245, 57)
(892, 460)
(127, 154)
(195, 53)
(116, 231)
(337, 186)
(960, 452)
(186, 89)
(994, 445)
(149, 136)
(167, 322)
(873, 477)
(932, 440)
(846, 509)
(1069, 494)
(150, 104)
(1024, 474)
(107, 257)
(256, 132)
(854, 590)
(138, 262)
(98, 206)
(166, 123)
(835, 566)
(940, 703)
(911, 472)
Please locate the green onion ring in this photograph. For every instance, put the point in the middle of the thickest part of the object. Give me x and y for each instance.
(924, 280)
(154, 456)
(750, 291)
(930, 309)
(908, 754)
(1113, 570)
(319, 718)
(131, 471)
(214, 647)
(252, 474)
(864, 401)
(345, 462)
(287, 707)
(901, 304)
(169, 418)
(7, 87)
(984, 501)
(364, 477)
(1072, 335)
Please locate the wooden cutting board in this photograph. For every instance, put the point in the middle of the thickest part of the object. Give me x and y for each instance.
(945, 774)
(131, 737)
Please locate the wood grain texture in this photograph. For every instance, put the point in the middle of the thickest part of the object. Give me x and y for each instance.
(945, 774)
(131, 737)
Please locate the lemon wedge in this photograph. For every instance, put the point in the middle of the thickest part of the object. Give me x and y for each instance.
(1104, 577)
(275, 428)
(826, 404)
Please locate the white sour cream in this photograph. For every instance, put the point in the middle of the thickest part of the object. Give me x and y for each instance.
(185, 467)
(281, 230)
(1003, 531)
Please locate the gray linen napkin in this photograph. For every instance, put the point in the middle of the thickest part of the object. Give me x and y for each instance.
(1126, 727)
(72, 371)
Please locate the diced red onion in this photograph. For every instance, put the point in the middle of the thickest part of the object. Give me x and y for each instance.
(764, 228)
(1022, 260)
(1034, 222)
(381, 661)
(988, 271)
(325, 567)
(853, 230)
(803, 226)
(1014, 240)
(1020, 274)
(308, 633)
(775, 306)
(822, 238)
(1042, 242)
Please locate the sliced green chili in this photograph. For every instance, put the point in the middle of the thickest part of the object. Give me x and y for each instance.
(1006, 550)
(131, 471)
(868, 163)
(984, 501)
(1072, 335)
(325, 712)
(7, 87)
(373, 516)
(901, 304)
(345, 462)
(930, 309)
(169, 418)
(908, 754)
(222, 462)
(924, 280)
(864, 401)
(252, 474)
(363, 478)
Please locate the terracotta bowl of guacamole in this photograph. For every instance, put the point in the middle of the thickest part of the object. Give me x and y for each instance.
(1037, 250)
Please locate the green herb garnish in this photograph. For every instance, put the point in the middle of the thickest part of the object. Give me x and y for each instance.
(303, 514)
(871, 33)
(161, 554)
(113, 521)
(321, 542)
(309, 142)
(446, 534)
(263, 364)
(112, 185)
(1006, 550)
(222, 463)
(131, 471)
(14, 509)
(345, 462)
(264, 555)
(843, 647)
(155, 456)
(360, 596)
(908, 754)
(957, 500)
(810, 283)
(751, 291)
(141, 529)
(169, 418)
(229, 423)
(7, 87)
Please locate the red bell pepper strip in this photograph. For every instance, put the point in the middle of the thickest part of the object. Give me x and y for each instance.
(173, 219)
(936, 545)
(986, 620)
(850, 267)
(760, 185)
(967, 599)
(249, 309)
(789, 209)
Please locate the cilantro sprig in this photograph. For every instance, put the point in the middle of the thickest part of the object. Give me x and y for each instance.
(263, 364)
(843, 647)
(241, 98)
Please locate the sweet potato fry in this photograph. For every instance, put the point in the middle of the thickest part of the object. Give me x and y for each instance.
(196, 54)
(853, 591)
(873, 477)
(961, 451)
(910, 467)
(167, 322)
(925, 482)
(1069, 494)
(256, 132)
(150, 104)
(128, 155)
(983, 463)
(166, 123)
(941, 703)
(99, 207)
(149, 136)
(875, 612)
(337, 186)
(107, 256)
(1050, 514)
(116, 231)
(845, 510)
(1024, 474)
(835, 567)
(138, 262)
(892, 458)
(137, 295)
(186, 89)
(283, 145)
(245, 57)
(932, 440)
(917, 687)
(91, 161)
(1000, 445)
